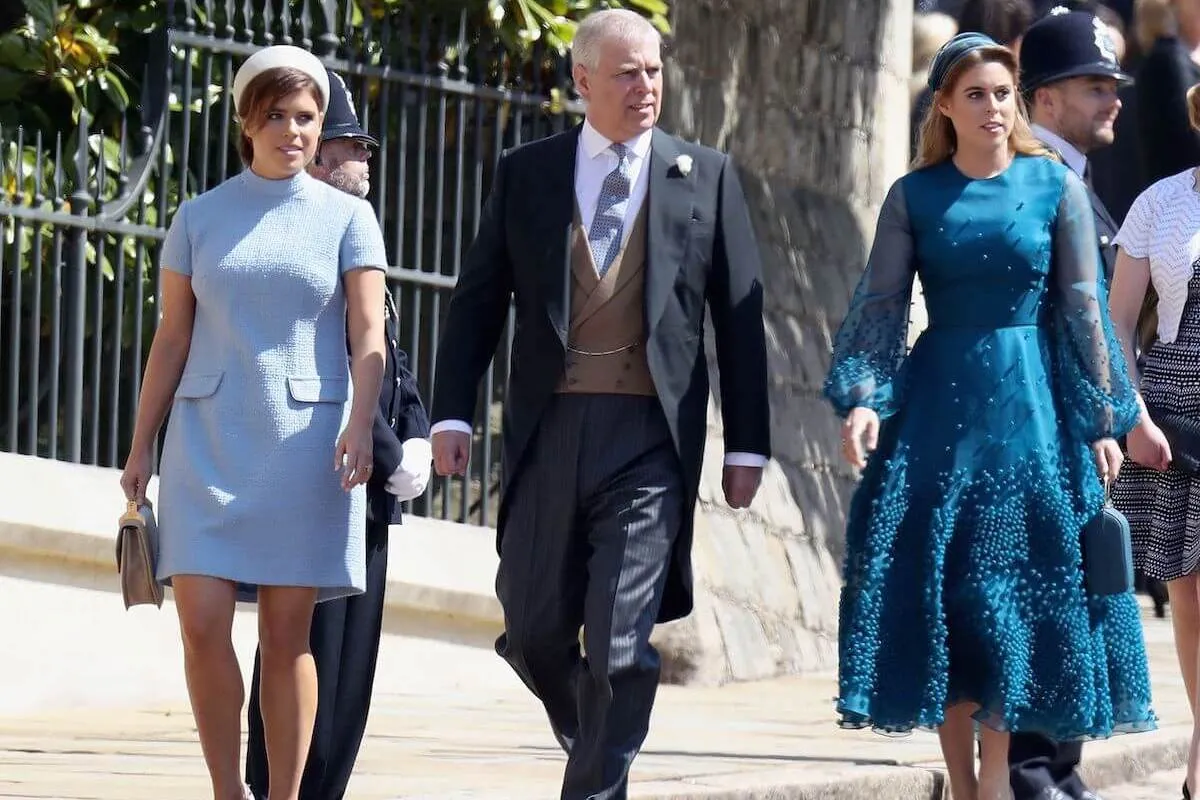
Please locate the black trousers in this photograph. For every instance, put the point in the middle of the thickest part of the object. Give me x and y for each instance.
(591, 521)
(345, 646)
(1037, 763)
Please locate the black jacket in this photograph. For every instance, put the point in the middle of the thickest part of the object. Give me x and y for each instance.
(400, 416)
(700, 247)
(1168, 143)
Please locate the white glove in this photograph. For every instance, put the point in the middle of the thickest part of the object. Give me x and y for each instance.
(412, 476)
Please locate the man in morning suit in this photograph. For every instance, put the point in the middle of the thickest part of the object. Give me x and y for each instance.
(610, 238)
(345, 632)
(1069, 76)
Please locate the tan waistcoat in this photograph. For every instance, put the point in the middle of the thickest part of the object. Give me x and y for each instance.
(606, 345)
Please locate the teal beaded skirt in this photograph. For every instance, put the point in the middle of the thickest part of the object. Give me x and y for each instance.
(963, 576)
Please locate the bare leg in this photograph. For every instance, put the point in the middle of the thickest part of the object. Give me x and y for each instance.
(957, 736)
(214, 681)
(288, 688)
(993, 765)
(1185, 619)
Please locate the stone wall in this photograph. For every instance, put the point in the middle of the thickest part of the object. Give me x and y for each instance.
(810, 98)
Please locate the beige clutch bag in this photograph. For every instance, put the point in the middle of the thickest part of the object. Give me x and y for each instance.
(137, 555)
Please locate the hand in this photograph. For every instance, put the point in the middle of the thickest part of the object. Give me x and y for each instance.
(860, 434)
(412, 476)
(451, 449)
(354, 455)
(136, 476)
(740, 484)
(1108, 458)
(1148, 446)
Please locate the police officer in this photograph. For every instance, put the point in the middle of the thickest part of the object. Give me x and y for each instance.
(345, 632)
(1069, 76)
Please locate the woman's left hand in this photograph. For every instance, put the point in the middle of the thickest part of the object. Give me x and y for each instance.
(1108, 458)
(354, 455)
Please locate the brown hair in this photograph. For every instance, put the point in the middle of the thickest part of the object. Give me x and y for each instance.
(1002, 20)
(938, 140)
(261, 94)
(1153, 19)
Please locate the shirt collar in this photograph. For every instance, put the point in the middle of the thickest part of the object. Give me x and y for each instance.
(1074, 159)
(595, 143)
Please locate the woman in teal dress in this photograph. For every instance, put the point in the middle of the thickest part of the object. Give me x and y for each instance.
(964, 599)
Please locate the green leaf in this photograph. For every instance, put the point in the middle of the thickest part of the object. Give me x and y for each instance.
(44, 12)
(113, 88)
(656, 7)
(12, 83)
(21, 53)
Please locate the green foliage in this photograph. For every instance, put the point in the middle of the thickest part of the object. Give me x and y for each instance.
(62, 58)
(521, 24)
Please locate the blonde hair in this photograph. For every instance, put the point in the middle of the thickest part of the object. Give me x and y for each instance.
(938, 141)
(1153, 19)
(931, 30)
(1193, 104)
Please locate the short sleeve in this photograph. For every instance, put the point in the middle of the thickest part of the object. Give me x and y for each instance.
(176, 252)
(362, 243)
(1134, 236)
(872, 342)
(1098, 398)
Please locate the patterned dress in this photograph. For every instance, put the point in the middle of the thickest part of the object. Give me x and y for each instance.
(1163, 508)
(963, 576)
(248, 491)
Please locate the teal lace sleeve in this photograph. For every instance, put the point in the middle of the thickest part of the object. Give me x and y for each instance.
(871, 343)
(1097, 396)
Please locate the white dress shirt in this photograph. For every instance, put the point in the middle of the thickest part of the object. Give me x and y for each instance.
(594, 160)
(1074, 159)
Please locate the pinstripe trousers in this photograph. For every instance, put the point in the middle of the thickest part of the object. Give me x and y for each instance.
(590, 524)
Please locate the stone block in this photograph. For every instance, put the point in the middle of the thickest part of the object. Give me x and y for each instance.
(816, 578)
(748, 651)
(768, 584)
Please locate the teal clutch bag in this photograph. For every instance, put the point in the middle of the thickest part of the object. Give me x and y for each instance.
(1107, 551)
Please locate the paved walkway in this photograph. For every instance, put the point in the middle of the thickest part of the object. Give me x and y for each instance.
(1165, 785)
(450, 722)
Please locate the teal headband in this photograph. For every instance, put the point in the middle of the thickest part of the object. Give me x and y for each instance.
(954, 51)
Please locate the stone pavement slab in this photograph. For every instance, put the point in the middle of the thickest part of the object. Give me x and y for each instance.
(450, 721)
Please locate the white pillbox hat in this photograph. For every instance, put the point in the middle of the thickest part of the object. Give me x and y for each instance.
(281, 55)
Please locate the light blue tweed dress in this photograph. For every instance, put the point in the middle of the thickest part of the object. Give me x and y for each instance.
(248, 490)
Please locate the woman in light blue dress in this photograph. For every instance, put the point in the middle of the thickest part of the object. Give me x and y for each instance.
(964, 598)
(264, 281)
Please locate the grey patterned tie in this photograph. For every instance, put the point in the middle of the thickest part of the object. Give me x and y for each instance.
(604, 236)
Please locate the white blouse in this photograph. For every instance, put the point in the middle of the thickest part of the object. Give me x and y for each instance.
(1163, 225)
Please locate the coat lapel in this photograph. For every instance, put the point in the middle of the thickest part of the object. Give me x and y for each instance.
(667, 224)
(553, 209)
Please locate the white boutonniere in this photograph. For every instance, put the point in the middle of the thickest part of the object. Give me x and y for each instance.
(684, 165)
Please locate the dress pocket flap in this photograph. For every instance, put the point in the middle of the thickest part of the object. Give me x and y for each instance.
(199, 384)
(319, 390)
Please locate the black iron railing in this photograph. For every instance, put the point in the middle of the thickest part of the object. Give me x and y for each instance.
(82, 217)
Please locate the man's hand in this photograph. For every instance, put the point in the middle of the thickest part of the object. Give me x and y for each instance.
(451, 449)
(740, 484)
